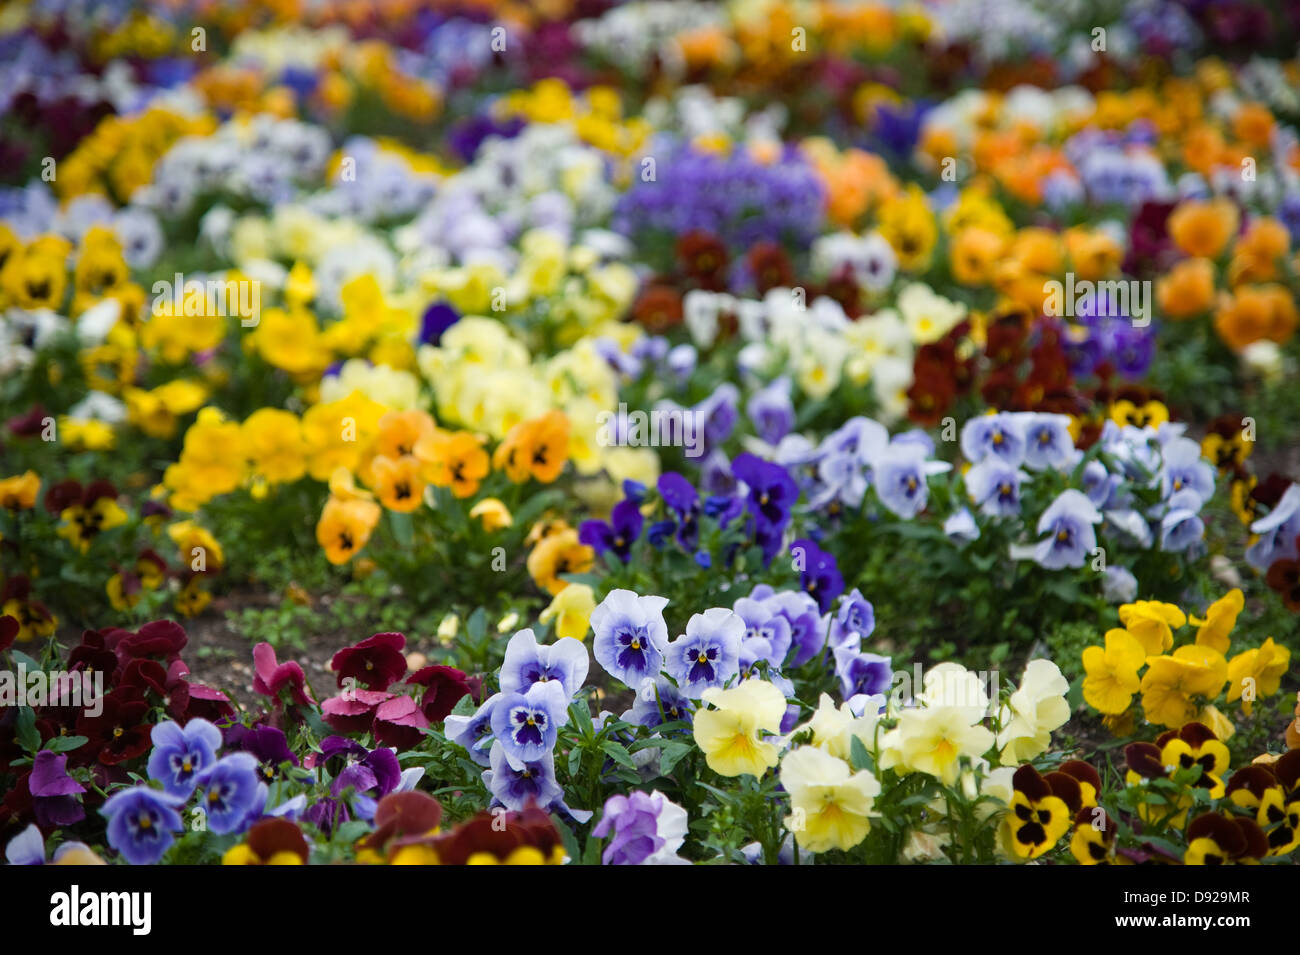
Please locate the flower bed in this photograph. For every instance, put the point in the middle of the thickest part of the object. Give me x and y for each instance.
(649, 433)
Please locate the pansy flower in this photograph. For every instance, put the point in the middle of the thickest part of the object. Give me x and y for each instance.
(1260, 669)
(443, 688)
(1038, 816)
(1195, 745)
(772, 492)
(119, 733)
(271, 677)
(1225, 443)
(994, 485)
(1279, 809)
(1001, 435)
(708, 654)
(376, 662)
(526, 724)
(474, 732)
(1093, 842)
(658, 701)
(681, 497)
(180, 754)
(270, 841)
(861, 673)
(515, 783)
(227, 791)
(642, 829)
(1112, 672)
(1215, 839)
(618, 535)
(819, 574)
(1047, 442)
(772, 412)
(629, 635)
(141, 823)
(1070, 539)
(1172, 685)
(268, 745)
(733, 734)
(54, 791)
(900, 476)
(28, 848)
(832, 804)
(398, 722)
(96, 512)
(763, 622)
(527, 662)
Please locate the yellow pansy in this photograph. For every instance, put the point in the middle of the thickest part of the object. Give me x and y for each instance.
(831, 804)
(1149, 621)
(1112, 673)
(731, 735)
(571, 609)
(1173, 685)
(1219, 620)
(1257, 673)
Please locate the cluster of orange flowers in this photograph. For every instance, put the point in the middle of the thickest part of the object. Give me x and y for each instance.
(410, 453)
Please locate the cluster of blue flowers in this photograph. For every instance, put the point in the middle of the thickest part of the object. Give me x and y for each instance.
(228, 792)
(735, 197)
(514, 731)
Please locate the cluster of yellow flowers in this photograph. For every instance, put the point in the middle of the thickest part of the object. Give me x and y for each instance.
(596, 116)
(118, 157)
(34, 274)
(1180, 685)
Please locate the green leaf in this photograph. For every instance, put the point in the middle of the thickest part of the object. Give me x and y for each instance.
(582, 716)
(25, 729)
(476, 625)
(568, 838)
(618, 754)
(26, 662)
(64, 744)
(351, 831)
(592, 855)
(859, 758)
(403, 530)
(671, 755)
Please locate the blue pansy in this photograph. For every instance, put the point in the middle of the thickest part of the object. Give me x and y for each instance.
(513, 784)
(526, 724)
(995, 486)
(1070, 539)
(228, 792)
(708, 653)
(658, 701)
(1000, 434)
(473, 732)
(1047, 441)
(629, 635)
(179, 755)
(528, 662)
(141, 823)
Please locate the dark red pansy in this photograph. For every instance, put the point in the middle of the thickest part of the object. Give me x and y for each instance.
(376, 662)
(443, 688)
